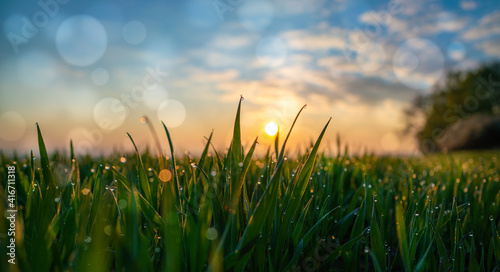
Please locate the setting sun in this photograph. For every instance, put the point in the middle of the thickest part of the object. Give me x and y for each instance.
(271, 128)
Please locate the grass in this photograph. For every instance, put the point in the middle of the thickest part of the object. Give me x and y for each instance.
(233, 212)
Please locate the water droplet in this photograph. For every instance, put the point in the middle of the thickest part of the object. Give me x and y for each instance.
(88, 239)
(471, 234)
(212, 234)
(269, 248)
(143, 120)
(366, 250)
(36, 185)
(258, 182)
(181, 188)
(157, 249)
(193, 165)
(240, 164)
(257, 143)
(123, 160)
(213, 173)
(57, 199)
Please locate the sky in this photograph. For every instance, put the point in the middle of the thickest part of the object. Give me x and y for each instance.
(89, 70)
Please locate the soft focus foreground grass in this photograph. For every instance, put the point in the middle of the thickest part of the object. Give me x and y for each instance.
(235, 212)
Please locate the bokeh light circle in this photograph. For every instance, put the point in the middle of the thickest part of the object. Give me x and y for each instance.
(109, 114)
(172, 113)
(271, 51)
(134, 32)
(81, 40)
(418, 63)
(456, 51)
(100, 76)
(256, 15)
(12, 126)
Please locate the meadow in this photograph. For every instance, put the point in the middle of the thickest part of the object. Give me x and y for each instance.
(234, 211)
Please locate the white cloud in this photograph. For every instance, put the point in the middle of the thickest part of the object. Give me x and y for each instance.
(490, 47)
(231, 41)
(200, 76)
(488, 25)
(468, 5)
(307, 40)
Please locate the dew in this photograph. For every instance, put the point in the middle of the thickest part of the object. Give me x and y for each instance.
(213, 173)
(123, 160)
(212, 234)
(181, 188)
(240, 164)
(471, 234)
(88, 239)
(107, 167)
(57, 199)
(157, 249)
(269, 248)
(107, 230)
(366, 250)
(193, 165)
(257, 143)
(241, 97)
(258, 182)
(36, 185)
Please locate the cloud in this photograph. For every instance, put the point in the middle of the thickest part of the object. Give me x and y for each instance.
(468, 5)
(200, 76)
(488, 26)
(225, 42)
(490, 47)
(318, 39)
(323, 7)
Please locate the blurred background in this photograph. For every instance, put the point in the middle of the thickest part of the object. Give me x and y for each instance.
(396, 76)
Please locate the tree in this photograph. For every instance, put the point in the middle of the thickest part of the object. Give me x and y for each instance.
(436, 118)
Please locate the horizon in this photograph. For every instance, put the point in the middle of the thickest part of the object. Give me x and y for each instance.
(188, 63)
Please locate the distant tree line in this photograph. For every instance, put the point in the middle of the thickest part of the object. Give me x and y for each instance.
(461, 113)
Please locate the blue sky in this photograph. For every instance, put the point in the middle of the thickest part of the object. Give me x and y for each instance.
(88, 70)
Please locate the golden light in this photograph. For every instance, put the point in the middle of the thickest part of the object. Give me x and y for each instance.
(165, 175)
(271, 128)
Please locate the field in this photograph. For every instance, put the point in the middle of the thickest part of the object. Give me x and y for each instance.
(232, 211)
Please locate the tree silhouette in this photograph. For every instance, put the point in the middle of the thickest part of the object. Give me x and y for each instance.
(444, 113)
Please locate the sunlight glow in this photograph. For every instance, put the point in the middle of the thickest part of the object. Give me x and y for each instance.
(271, 128)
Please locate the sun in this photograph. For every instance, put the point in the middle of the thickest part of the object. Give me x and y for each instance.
(271, 128)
